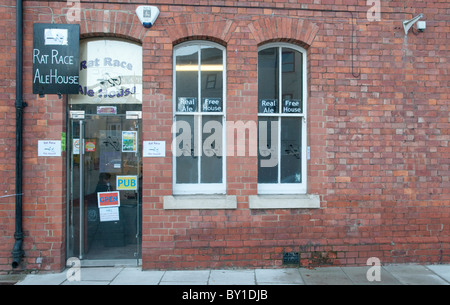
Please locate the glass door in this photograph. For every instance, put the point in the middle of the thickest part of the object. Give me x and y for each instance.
(104, 205)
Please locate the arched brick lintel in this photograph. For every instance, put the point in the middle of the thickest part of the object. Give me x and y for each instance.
(199, 27)
(283, 29)
(110, 23)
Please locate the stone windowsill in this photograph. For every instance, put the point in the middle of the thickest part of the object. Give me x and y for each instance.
(218, 202)
(284, 201)
(191, 202)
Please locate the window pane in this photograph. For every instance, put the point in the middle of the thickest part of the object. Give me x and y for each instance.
(268, 79)
(267, 150)
(211, 160)
(291, 81)
(187, 79)
(187, 159)
(291, 130)
(211, 79)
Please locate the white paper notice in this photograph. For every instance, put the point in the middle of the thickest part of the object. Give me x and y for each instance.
(154, 149)
(76, 146)
(109, 214)
(48, 148)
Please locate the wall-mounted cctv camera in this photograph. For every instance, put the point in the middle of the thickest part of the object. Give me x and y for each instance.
(147, 15)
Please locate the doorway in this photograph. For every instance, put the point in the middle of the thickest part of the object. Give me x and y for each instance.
(104, 183)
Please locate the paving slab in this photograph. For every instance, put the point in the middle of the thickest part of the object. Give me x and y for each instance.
(11, 279)
(135, 276)
(325, 276)
(44, 279)
(442, 270)
(278, 277)
(85, 283)
(358, 275)
(232, 277)
(102, 274)
(415, 275)
(192, 283)
(185, 277)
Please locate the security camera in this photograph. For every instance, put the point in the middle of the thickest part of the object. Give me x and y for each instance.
(421, 26)
(147, 15)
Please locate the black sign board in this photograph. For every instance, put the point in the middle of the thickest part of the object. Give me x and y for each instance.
(55, 58)
(292, 106)
(212, 105)
(268, 106)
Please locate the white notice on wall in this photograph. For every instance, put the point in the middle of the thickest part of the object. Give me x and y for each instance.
(49, 148)
(109, 214)
(154, 149)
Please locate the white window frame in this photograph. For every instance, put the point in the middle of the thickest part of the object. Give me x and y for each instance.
(200, 188)
(288, 188)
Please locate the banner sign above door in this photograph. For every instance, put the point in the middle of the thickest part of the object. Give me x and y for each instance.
(55, 58)
(110, 73)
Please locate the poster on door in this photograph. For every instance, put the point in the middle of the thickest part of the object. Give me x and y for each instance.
(109, 214)
(76, 146)
(126, 183)
(108, 204)
(129, 141)
(108, 199)
(89, 145)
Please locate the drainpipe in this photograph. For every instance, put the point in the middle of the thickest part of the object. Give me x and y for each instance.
(17, 251)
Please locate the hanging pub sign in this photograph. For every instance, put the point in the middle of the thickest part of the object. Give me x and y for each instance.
(55, 58)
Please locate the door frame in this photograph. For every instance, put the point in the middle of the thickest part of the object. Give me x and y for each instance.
(74, 116)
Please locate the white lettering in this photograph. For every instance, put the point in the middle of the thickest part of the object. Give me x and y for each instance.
(202, 295)
(374, 273)
(39, 59)
(374, 13)
(73, 13)
(66, 60)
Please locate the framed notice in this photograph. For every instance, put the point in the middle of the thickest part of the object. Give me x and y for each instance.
(154, 149)
(48, 148)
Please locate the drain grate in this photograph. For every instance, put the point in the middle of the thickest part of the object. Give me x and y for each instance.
(290, 258)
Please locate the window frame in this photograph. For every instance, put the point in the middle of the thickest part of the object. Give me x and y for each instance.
(199, 188)
(287, 188)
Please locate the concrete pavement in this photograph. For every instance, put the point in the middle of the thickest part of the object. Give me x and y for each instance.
(386, 275)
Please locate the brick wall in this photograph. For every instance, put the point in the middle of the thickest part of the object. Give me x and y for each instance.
(7, 132)
(378, 128)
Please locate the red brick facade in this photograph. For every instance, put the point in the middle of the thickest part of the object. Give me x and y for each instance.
(378, 129)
